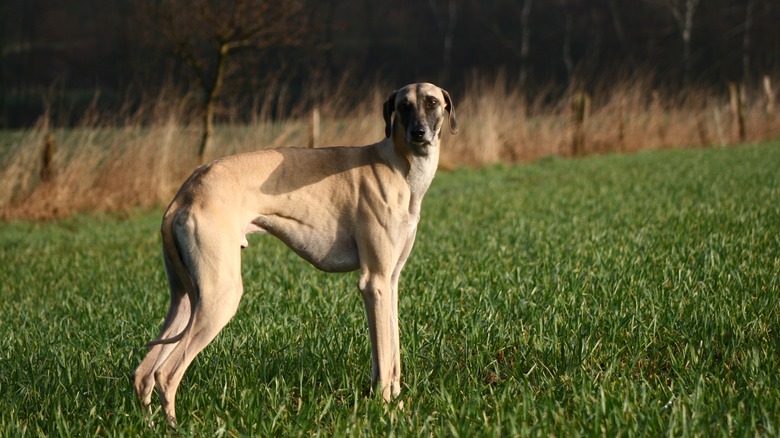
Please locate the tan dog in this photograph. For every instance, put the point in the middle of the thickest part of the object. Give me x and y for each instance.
(340, 208)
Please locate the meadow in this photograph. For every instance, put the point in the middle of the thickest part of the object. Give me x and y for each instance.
(617, 295)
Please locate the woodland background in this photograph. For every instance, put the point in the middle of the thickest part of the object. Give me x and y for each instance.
(67, 55)
(109, 104)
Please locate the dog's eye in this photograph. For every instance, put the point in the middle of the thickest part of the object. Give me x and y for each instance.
(431, 103)
(404, 105)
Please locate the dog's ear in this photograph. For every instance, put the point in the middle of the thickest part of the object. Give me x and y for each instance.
(387, 111)
(451, 110)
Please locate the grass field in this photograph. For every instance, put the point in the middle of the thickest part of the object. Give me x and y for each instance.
(617, 295)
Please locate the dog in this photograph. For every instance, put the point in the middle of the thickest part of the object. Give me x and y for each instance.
(340, 208)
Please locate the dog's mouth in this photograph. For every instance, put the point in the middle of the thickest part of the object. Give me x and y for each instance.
(420, 147)
(424, 140)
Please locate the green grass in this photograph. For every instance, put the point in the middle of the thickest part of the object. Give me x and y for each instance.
(616, 295)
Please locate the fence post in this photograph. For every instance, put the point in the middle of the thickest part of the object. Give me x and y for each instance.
(581, 110)
(314, 138)
(622, 109)
(47, 157)
(718, 126)
(657, 109)
(701, 128)
(737, 100)
(770, 96)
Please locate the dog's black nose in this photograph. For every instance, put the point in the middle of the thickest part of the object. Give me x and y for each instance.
(418, 134)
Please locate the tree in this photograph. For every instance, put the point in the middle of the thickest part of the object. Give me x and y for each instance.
(746, 40)
(683, 11)
(620, 33)
(506, 39)
(446, 16)
(205, 34)
(568, 20)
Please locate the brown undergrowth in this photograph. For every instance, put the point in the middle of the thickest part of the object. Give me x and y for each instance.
(137, 159)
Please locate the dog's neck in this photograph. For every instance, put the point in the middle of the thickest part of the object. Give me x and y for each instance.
(422, 169)
(418, 166)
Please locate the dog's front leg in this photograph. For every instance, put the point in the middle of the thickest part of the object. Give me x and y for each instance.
(381, 303)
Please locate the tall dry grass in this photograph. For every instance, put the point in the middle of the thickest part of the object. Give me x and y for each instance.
(138, 158)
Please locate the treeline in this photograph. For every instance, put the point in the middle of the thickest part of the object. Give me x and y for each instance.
(64, 56)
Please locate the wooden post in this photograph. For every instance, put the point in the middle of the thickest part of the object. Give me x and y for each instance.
(621, 146)
(581, 110)
(718, 126)
(770, 96)
(314, 138)
(737, 101)
(657, 110)
(47, 157)
(701, 128)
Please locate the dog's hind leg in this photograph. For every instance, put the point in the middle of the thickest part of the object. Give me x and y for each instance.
(209, 319)
(179, 314)
(217, 281)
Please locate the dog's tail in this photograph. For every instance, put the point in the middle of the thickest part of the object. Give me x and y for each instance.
(180, 279)
(171, 340)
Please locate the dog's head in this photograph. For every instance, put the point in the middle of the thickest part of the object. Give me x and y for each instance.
(419, 112)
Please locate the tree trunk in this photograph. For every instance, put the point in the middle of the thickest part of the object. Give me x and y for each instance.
(525, 43)
(4, 15)
(617, 23)
(452, 16)
(568, 63)
(212, 93)
(746, 42)
(445, 19)
(686, 28)
(683, 17)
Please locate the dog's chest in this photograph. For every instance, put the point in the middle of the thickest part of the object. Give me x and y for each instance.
(421, 173)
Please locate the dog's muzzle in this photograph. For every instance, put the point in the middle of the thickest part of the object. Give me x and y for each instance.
(419, 136)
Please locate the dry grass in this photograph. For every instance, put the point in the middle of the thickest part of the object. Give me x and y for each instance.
(138, 158)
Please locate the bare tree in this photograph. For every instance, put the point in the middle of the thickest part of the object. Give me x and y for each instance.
(682, 11)
(525, 40)
(205, 34)
(746, 41)
(620, 33)
(446, 15)
(568, 24)
(522, 50)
